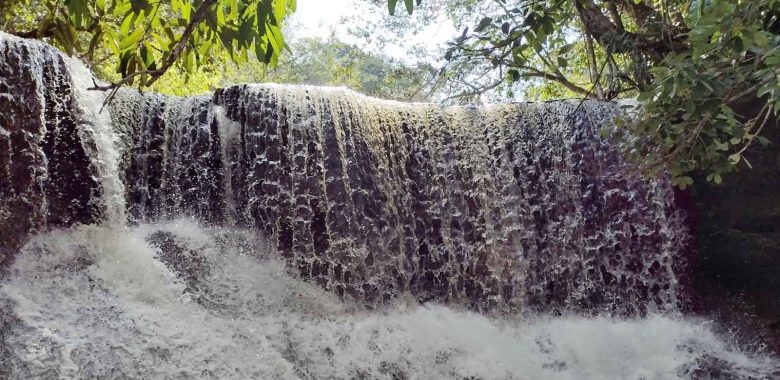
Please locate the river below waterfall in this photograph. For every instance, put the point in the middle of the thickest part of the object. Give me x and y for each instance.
(100, 302)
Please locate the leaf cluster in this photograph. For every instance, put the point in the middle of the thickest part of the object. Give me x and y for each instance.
(696, 68)
(691, 118)
(145, 38)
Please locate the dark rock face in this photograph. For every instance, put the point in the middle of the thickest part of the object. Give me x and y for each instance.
(739, 238)
(168, 170)
(45, 175)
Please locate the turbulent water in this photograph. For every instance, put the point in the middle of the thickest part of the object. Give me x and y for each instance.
(299, 232)
(100, 302)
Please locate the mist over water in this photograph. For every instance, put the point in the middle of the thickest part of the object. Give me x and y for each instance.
(297, 232)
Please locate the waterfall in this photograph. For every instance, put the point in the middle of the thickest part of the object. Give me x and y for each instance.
(48, 164)
(516, 206)
(99, 140)
(272, 231)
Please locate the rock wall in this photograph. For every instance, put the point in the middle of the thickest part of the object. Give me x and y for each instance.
(45, 174)
(510, 206)
(738, 230)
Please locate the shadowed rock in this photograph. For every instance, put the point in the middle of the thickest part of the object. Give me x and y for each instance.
(45, 174)
(190, 266)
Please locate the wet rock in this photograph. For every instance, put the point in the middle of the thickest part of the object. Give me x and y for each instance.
(189, 266)
(514, 207)
(737, 271)
(45, 175)
(6, 321)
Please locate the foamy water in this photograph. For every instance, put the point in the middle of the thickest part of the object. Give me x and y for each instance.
(99, 302)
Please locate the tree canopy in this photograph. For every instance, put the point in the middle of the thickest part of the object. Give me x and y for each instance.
(145, 38)
(691, 65)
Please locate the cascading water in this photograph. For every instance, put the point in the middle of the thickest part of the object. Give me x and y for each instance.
(514, 206)
(290, 232)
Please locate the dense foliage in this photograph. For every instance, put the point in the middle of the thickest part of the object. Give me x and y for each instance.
(693, 65)
(145, 38)
(205, 63)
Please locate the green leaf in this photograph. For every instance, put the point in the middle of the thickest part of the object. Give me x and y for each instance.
(260, 51)
(391, 6)
(763, 140)
(483, 24)
(739, 45)
(124, 29)
(409, 6)
(220, 13)
(110, 39)
(275, 39)
(714, 177)
(189, 62)
(682, 182)
(760, 39)
(565, 49)
(280, 8)
(515, 75)
(132, 39)
(186, 10)
(548, 26)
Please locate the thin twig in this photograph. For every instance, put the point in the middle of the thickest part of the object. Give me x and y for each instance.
(760, 128)
(587, 96)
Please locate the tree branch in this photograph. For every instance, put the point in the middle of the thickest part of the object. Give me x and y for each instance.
(610, 35)
(475, 91)
(178, 49)
(563, 81)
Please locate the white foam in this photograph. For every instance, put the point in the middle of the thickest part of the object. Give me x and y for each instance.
(95, 301)
(95, 126)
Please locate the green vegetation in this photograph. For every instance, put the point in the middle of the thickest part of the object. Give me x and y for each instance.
(331, 62)
(215, 54)
(693, 65)
(143, 39)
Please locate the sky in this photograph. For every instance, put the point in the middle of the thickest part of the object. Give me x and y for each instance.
(317, 18)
